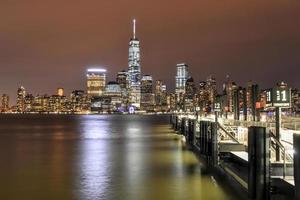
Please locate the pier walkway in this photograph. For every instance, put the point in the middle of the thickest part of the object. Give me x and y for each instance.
(248, 153)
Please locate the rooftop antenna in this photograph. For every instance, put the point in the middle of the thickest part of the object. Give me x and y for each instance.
(134, 28)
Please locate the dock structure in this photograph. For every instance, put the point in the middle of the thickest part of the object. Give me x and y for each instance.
(246, 153)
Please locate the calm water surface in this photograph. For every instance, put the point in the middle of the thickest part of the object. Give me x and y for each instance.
(98, 157)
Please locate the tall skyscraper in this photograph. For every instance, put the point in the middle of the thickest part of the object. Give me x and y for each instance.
(190, 88)
(181, 78)
(96, 80)
(21, 99)
(134, 70)
(211, 87)
(202, 96)
(160, 96)
(189, 97)
(147, 96)
(5, 103)
(229, 89)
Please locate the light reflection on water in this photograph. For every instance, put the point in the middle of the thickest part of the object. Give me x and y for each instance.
(98, 157)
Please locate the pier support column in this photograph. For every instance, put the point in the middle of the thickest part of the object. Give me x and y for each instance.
(176, 123)
(215, 152)
(297, 165)
(201, 136)
(194, 131)
(259, 161)
(190, 134)
(182, 126)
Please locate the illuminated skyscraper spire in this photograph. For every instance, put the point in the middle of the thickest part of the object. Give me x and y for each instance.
(134, 28)
(134, 69)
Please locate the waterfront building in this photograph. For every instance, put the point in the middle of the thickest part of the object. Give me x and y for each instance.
(57, 103)
(114, 91)
(181, 78)
(147, 96)
(122, 80)
(78, 100)
(29, 99)
(229, 88)
(96, 80)
(253, 96)
(21, 99)
(202, 97)
(189, 94)
(134, 70)
(158, 93)
(60, 92)
(172, 101)
(211, 88)
(161, 96)
(5, 103)
(40, 104)
(249, 94)
(101, 104)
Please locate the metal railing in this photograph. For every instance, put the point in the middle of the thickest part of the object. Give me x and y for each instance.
(285, 155)
(228, 133)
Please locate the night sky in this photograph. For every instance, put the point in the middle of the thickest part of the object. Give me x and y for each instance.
(50, 43)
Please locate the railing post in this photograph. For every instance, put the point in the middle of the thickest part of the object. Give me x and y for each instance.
(278, 127)
(296, 140)
(259, 161)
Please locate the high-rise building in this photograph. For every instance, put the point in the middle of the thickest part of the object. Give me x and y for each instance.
(114, 91)
(21, 99)
(181, 77)
(57, 103)
(5, 103)
(147, 96)
(190, 91)
(79, 101)
(60, 91)
(29, 99)
(229, 88)
(202, 97)
(211, 87)
(158, 92)
(122, 79)
(190, 88)
(161, 96)
(40, 103)
(96, 80)
(134, 70)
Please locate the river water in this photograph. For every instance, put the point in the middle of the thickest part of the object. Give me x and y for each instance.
(99, 157)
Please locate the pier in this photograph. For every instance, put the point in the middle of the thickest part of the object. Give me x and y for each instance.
(255, 159)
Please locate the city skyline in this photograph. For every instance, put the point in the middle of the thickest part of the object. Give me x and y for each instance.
(216, 41)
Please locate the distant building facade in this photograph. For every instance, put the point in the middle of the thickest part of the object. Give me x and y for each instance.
(21, 99)
(96, 80)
